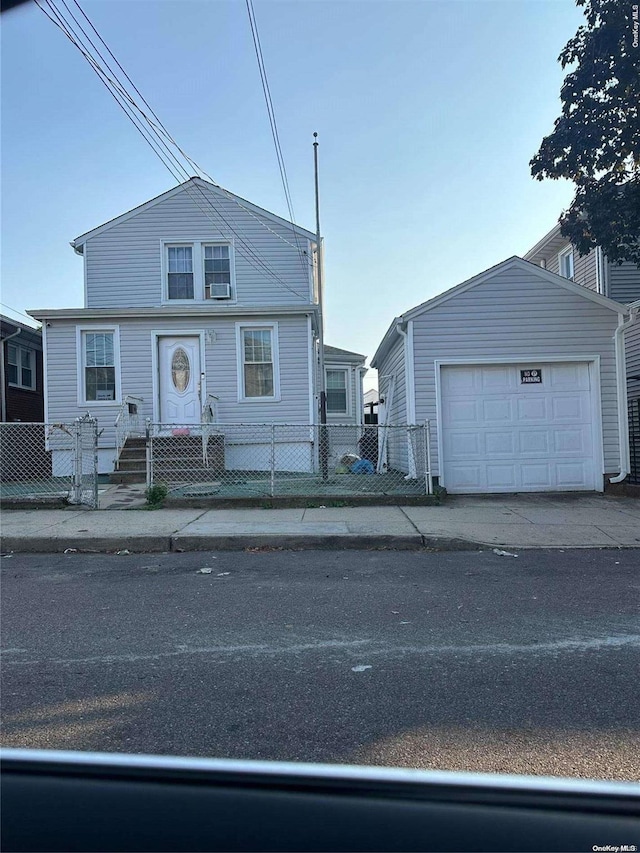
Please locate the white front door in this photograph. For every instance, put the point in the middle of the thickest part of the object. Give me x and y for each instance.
(179, 365)
(517, 428)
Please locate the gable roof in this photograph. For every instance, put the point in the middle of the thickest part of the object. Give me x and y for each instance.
(511, 263)
(258, 212)
(552, 240)
(336, 352)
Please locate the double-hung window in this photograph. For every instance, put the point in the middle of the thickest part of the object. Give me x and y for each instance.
(99, 366)
(217, 272)
(258, 362)
(337, 392)
(198, 271)
(565, 262)
(21, 367)
(180, 272)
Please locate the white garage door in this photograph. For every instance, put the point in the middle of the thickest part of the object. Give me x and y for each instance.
(517, 428)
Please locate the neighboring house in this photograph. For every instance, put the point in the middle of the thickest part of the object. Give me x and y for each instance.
(22, 375)
(520, 372)
(344, 373)
(197, 304)
(620, 282)
(370, 401)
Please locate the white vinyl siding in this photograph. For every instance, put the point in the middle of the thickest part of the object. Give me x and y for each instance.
(124, 263)
(632, 350)
(220, 358)
(624, 282)
(513, 315)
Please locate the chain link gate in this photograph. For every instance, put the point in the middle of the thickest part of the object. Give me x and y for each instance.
(50, 460)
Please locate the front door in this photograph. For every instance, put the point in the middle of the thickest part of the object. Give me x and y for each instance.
(179, 364)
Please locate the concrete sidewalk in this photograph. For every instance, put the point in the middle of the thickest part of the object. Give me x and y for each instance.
(521, 521)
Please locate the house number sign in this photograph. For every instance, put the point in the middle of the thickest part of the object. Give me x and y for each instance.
(531, 377)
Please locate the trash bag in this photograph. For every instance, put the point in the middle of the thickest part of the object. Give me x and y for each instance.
(362, 466)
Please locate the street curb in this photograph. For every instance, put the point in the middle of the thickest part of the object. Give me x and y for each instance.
(329, 542)
(178, 543)
(89, 544)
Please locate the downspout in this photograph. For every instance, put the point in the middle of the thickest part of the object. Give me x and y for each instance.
(3, 392)
(621, 380)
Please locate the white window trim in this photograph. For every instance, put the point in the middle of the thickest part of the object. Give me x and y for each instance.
(349, 390)
(565, 253)
(18, 384)
(198, 271)
(98, 327)
(275, 352)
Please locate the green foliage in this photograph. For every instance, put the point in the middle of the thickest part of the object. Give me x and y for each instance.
(596, 141)
(156, 495)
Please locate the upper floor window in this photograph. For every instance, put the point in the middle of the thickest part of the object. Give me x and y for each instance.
(565, 262)
(98, 365)
(217, 272)
(180, 272)
(198, 271)
(337, 392)
(258, 372)
(21, 366)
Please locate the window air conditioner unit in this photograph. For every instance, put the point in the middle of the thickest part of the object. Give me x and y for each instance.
(220, 291)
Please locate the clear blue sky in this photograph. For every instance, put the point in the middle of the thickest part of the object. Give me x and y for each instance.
(428, 115)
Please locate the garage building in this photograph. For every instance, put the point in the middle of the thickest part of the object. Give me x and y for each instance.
(521, 375)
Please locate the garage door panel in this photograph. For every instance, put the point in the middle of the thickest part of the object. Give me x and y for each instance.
(570, 407)
(501, 476)
(532, 408)
(465, 443)
(572, 441)
(496, 378)
(497, 409)
(463, 411)
(570, 474)
(533, 442)
(502, 435)
(536, 476)
(500, 443)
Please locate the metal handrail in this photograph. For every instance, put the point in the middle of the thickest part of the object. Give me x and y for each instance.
(127, 422)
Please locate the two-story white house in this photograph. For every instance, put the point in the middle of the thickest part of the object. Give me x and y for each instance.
(196, 303)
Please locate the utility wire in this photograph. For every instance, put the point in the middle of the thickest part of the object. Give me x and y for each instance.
(20, 313)
(119, 94)
(150, 132)
(272, 117)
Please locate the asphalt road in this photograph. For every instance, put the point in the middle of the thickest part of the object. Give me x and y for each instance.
(472, 661)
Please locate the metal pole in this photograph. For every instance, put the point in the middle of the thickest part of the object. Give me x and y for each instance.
(94, 439)
(77, 468)
(323, 438)
(149, 453)
(273, 458)
(427, 433)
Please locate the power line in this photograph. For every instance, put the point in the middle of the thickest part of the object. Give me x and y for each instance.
(272, 116)
(20, 313)
(150, 131)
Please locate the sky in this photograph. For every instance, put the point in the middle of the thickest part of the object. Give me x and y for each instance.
(428, 114)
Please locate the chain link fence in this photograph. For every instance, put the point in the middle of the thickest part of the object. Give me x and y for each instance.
(268, 460)
(39, 460)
